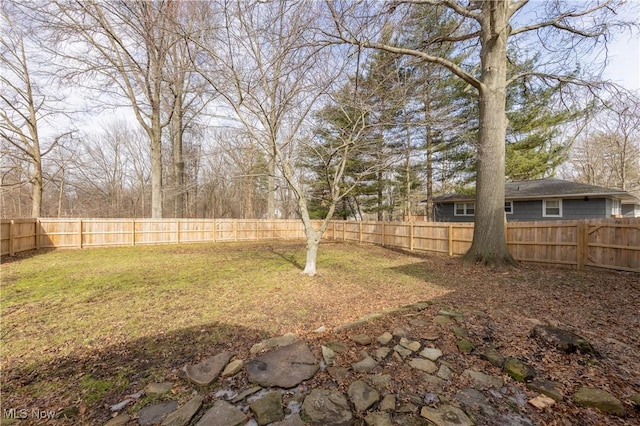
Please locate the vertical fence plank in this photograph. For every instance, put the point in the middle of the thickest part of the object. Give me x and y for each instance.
(582, 247)
(450, 240)
(12, 230)
(80, 232)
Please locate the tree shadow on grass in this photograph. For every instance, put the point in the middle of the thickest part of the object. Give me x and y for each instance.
(81, 387)
(289, 257)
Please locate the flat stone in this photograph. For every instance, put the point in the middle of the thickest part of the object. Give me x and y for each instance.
(361, 339)
(339, 373)
(365, 365)
(430, 398)
(432, 380)
(233, 368)
(597, 398)
(372, 316)
(362, 395)
(635, 399)
(442, 320)
(483, 380)
(542, 402)
(562, 340)
(518, 370)
(460, 332)
(378, 419)
(431, 337)
(350, 325)
(285, 367)
(412, 345)
(475, 402)
(320, 329)
(294, 420)
(388, 403)
(418, 323)
(493, 356)
(401, 331)
(329, 355)
(245, 393)
(547, 388)
(158, 388)
(381, 353)
(449, 313)
(156, 413)
(222, 414)
(208, 370)
(464, 346)
(423, 365)
(119, 420)
(272, 343)
(183, 415)
(327, 407)
(402, 351)
(444, 372)
(446, 415)
(268, 409)
(384, 338)
(380, 381)
(337, 347)
(431, 353)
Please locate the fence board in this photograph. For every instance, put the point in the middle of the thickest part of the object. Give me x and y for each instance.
(607, 243)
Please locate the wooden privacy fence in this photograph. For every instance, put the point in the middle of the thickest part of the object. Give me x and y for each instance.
(604, 243)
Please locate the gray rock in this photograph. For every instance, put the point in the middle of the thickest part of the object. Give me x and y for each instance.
(361, 339)
(431, 337)
(320, 329)
(493, 356)
(119, 420)
(272, 343)
(431, 398)
(432, 380)
(339, 373)
(518, 370)
(156, 413)
(326, 407)
(362, 395)
(184, 414)
(372, 316)
(460, 332)
(158, 388)
(381, 353)
(562, 340)
(635, 399)
(431, 353)
(446, 415)
(597, 398)
(442, 320)
(350, 325)
(402, 351)
(329, 355)
(444, 372)
(464, 346)
(412, 345)
(294, 420)
(547, 388)
(245, 393)
(385, 338)
(423, 365)
(208, 370)
(449, 313)
(337, 347)
(401, 331)
(285, 367)
(233, 368)
(388, 403)
(268, 409)
(378, 419)
(380, 381)
(483, 380)
(222, 414)
(475, 401)
(366, 365)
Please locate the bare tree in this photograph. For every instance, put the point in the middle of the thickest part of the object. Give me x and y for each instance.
(26, 111)
(561, 27)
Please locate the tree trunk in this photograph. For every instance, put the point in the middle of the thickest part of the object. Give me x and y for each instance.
(178, 160)
(156, 170)
(36, 206)
(489, 244)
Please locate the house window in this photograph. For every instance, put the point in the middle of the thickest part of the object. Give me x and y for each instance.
(465, 209)
(616, 208)
(551, 208)
(508, 207)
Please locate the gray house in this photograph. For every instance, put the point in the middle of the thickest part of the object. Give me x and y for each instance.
(544, 199)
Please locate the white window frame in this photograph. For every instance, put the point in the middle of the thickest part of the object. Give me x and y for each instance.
(465, 209)
(544, 207)
(616, 207)
(510, 203)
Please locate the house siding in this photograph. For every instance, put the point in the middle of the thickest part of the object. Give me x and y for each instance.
(530, 210)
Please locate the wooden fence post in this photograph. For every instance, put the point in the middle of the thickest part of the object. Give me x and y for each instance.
(133, 232)
(11, 236)
(80, 231)
(37, 224)
(383, 234)
(360, 236)
(178, 232)
(582, 247)
(411, 235)
(450, 239)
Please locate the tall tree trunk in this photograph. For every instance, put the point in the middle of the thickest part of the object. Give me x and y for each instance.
(178, 159)
(489, 244)
(36, 206)
(429, 161)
